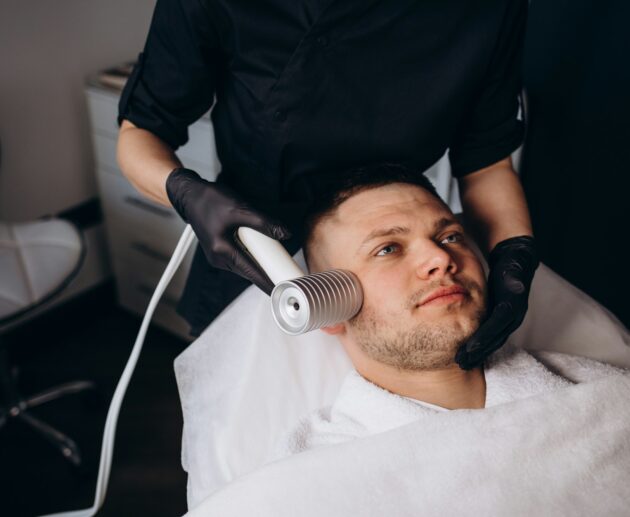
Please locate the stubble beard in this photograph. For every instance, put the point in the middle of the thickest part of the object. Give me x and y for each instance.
(427, 346)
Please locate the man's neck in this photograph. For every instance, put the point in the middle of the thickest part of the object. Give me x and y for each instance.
(450, 387)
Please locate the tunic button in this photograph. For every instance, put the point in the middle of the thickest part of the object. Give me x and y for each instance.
(280, 115)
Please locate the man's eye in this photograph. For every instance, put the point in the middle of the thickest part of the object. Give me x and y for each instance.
(453, 238)
(379, 254)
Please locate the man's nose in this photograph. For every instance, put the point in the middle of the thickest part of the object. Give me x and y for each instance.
(435, 262)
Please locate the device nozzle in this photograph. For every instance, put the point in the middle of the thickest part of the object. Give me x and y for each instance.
(314, 301)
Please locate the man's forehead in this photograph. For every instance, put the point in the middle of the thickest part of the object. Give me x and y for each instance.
(341, 233)
(379, 210)
(368, 208)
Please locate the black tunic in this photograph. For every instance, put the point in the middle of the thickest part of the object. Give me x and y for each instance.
(306, 88)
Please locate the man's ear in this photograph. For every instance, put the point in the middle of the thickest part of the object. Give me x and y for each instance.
(334, 330)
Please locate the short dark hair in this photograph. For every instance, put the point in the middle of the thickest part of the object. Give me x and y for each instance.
(353, 181)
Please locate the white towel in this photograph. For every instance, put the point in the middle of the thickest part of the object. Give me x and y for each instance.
(363, 408)
(564, 452)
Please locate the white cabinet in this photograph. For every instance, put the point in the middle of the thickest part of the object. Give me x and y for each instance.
(141, 234)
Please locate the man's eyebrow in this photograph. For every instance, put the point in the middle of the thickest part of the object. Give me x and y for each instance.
(439, 225)
(445, 222)
(384, 232)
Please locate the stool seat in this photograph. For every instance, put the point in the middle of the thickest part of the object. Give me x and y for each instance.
(37, 259)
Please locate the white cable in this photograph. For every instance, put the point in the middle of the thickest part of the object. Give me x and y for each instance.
(109, 434)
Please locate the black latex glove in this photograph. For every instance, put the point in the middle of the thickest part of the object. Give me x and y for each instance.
(512, 264)
(215, 212)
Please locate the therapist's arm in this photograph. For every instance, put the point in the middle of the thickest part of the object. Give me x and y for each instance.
(146, 161)
(496, 214)
(213, 211)
(494, 204)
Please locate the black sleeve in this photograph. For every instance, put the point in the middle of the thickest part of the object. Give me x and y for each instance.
(491, 130)
(174, 80)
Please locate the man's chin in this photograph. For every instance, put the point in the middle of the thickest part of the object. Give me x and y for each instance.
(466, 319)
(460, 326)
(452, 333)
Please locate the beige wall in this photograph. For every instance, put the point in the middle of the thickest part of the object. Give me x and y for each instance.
(47, 48)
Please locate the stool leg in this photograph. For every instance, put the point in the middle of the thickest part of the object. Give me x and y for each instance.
(69, 388)
(66, 445)
(8, 394)
(7, 382)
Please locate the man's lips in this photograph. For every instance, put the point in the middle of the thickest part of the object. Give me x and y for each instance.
(444, 291)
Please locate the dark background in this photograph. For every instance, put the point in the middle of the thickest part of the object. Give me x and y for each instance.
(90, 338)
(576, 161)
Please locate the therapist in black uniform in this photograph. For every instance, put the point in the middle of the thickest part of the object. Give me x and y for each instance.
(308, 88)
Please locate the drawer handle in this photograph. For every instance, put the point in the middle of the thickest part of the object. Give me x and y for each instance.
(145, 205)
(145, 249)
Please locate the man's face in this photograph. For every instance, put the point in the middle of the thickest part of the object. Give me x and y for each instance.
(425, 249)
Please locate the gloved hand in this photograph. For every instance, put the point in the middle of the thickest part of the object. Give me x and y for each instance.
(512, 264)
(215, 213)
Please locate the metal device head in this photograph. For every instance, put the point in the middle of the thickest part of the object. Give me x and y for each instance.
(317, 300)
(301, 303)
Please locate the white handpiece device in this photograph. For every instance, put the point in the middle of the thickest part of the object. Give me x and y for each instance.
(270, 255)
(299, 302)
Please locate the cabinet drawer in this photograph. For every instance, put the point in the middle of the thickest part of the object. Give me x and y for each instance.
(103, 108)
(148, 262)
(134, 294)
(105, 153)
(139, 236)
(128, 211)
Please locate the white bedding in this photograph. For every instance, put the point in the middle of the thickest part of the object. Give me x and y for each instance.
(564, 452)
(243, 381)
(363, 408)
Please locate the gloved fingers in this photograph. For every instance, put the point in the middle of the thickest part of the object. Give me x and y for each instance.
(513, 281)
(498, 323)
(512, 264)
(243, 264)
(468, 361)
(523, 247)
(229, 255)
(183, 186)
(489, 337)
(266, 225)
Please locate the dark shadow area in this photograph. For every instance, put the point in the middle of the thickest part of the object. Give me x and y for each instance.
(90, 338)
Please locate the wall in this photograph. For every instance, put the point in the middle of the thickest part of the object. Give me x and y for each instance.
(47, 48)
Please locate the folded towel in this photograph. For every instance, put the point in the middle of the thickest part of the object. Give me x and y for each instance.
(363, 408)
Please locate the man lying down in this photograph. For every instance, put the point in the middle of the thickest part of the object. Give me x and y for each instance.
(411, 433)
(424, 296)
